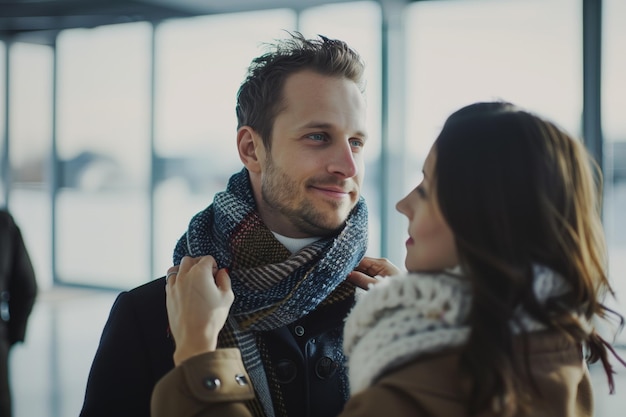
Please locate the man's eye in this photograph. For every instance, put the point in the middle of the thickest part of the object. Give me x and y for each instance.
(357, 143)
(317, 136)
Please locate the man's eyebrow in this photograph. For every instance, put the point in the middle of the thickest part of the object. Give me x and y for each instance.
(317, 125)
(325, 125)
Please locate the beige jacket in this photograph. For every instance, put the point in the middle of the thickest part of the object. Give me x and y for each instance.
(430, 386)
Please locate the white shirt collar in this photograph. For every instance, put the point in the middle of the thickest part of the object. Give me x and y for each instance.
(295, 244)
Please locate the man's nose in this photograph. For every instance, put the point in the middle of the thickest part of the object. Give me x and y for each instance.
(343, 161)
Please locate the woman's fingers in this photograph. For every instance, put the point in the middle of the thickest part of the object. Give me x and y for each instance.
(198, 299)
(377, 267)
(369, 270)
(222, 280)
(360, 279)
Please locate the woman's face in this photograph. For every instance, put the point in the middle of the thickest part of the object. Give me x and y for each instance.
(430, 245)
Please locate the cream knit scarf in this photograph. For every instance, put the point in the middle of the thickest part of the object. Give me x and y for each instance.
(406, 316)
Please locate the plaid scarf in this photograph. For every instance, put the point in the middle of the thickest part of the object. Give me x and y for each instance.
(272, 286)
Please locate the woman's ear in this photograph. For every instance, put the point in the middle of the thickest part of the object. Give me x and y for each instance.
(251, 148)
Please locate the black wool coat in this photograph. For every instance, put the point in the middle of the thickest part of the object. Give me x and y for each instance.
(136, 350)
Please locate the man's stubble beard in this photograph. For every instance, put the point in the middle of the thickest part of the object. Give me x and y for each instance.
(278, 192)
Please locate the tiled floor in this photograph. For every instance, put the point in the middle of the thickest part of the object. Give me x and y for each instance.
(50, 370)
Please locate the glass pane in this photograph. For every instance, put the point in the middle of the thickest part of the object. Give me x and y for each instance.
(2, 124)
(30, 138)
(614, 129)
(359, 25)
(200, 63)
(461, 52)
(104, 151)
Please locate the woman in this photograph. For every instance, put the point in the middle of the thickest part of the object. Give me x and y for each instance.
(507, 273)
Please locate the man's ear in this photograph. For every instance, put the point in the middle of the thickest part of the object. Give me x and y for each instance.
(251, 148)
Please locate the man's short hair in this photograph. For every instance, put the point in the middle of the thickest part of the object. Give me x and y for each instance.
(260, 96)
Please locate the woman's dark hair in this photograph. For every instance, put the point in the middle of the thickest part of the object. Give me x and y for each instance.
(260, 96)
(518, 191)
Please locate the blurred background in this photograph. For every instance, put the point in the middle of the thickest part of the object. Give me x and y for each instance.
(117, 124)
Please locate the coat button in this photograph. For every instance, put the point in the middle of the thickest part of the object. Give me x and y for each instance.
(286, 371)
(241, 379)
(299, 330)
(325, 367)
(212, 383)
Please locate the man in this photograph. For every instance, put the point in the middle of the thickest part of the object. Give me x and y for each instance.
(289, 228)
(18, 291)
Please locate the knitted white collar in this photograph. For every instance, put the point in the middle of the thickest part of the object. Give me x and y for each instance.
(403, 317)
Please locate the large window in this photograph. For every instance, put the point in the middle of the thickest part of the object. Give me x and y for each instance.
(104, 155)
(109, 146)
(29, 135)
(200, 63)
(3, 138)
(614, 129)
(527, 52)
(113, 152)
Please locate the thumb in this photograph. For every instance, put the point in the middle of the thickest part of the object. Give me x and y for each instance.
(361, 280)
(222, 280)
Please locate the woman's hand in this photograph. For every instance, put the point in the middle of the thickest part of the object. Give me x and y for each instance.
(367, 271)
(198, 299)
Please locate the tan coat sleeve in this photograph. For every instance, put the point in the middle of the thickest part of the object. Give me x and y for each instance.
(423, 388)
(377, 401)
(210, 384)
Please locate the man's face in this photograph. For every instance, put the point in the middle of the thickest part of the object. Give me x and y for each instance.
(311, 178)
